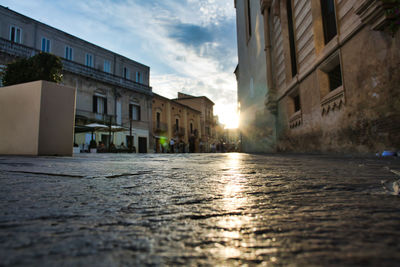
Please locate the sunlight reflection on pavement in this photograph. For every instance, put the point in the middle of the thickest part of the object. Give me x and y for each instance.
(198, 209)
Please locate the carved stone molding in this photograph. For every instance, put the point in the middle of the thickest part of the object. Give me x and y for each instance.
(271, 103)
(333, 101)
(295, 120)
(265, 4)
(374, 12)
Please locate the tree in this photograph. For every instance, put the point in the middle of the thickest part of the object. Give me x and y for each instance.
(42, 66)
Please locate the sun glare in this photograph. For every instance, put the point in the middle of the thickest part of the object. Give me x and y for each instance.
(228, 117)
(231, 122)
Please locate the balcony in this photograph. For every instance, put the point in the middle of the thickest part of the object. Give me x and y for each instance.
(89, 117)
(179, 131)
(19, 50)
(160, 127)
(109, 78)
(15, 49)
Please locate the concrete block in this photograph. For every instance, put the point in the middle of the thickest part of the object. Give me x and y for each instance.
(37, 118)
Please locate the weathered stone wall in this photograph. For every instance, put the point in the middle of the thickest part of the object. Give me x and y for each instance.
(369, 119)
(371, 61)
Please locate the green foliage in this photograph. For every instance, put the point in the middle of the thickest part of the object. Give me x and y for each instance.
(394, 14)
(43, 66)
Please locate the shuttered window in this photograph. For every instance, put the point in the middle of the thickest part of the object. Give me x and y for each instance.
(99, 104)
(68, 52)
(134, 112)
(46, 45)
(15, 34)
(89, 60)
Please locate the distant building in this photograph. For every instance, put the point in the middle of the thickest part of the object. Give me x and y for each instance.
(173, 120)
(207, 133)
(111, 89)
(332, 73)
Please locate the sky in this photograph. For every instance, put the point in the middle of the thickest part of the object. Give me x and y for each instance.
(189, 45)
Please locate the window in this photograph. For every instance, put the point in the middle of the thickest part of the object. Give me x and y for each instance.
(296, 102)
(335, 77)
(89, 60)
(191, 127)
(328, 19)
(291, 37)
(68, 52)
(248, 19)
(158, 120)
(99, 104)
(15, 34)
(119, 112)
(126, 73)
(134, 112)
(177, 125)
(107, 66)
(46, 45)
(139, 77)
(330, 74)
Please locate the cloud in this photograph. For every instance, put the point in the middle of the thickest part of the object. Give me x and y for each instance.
(190, 34)
(190, 45)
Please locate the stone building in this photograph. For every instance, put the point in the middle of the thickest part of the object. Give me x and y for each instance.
(111, 89)
(332, 72)
(173, 120)
(207, 134)
(257, 125)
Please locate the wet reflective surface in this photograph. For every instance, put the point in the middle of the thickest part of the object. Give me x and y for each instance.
(215, 209)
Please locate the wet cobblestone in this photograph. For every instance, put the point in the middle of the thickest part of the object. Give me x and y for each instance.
(200, 209)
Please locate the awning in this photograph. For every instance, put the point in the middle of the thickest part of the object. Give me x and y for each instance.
(96, 126)
(92, 127)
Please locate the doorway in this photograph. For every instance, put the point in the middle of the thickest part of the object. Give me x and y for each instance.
(142, 144)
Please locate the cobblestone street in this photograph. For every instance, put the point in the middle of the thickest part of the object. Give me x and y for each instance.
(198, 209)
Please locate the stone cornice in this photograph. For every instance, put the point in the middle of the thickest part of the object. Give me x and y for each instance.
(373, 12)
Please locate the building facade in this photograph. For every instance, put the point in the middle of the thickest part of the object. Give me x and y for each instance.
(112, 90)
(332, 73)
(257, 125)
(173, 120)
(207, 133)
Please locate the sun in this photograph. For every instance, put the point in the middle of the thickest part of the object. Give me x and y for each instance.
(232, 122)
(228, 116)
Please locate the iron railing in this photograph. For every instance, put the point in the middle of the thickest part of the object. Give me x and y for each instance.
(95, 117)
(93, 73)
(160, 127)
(15, 49)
